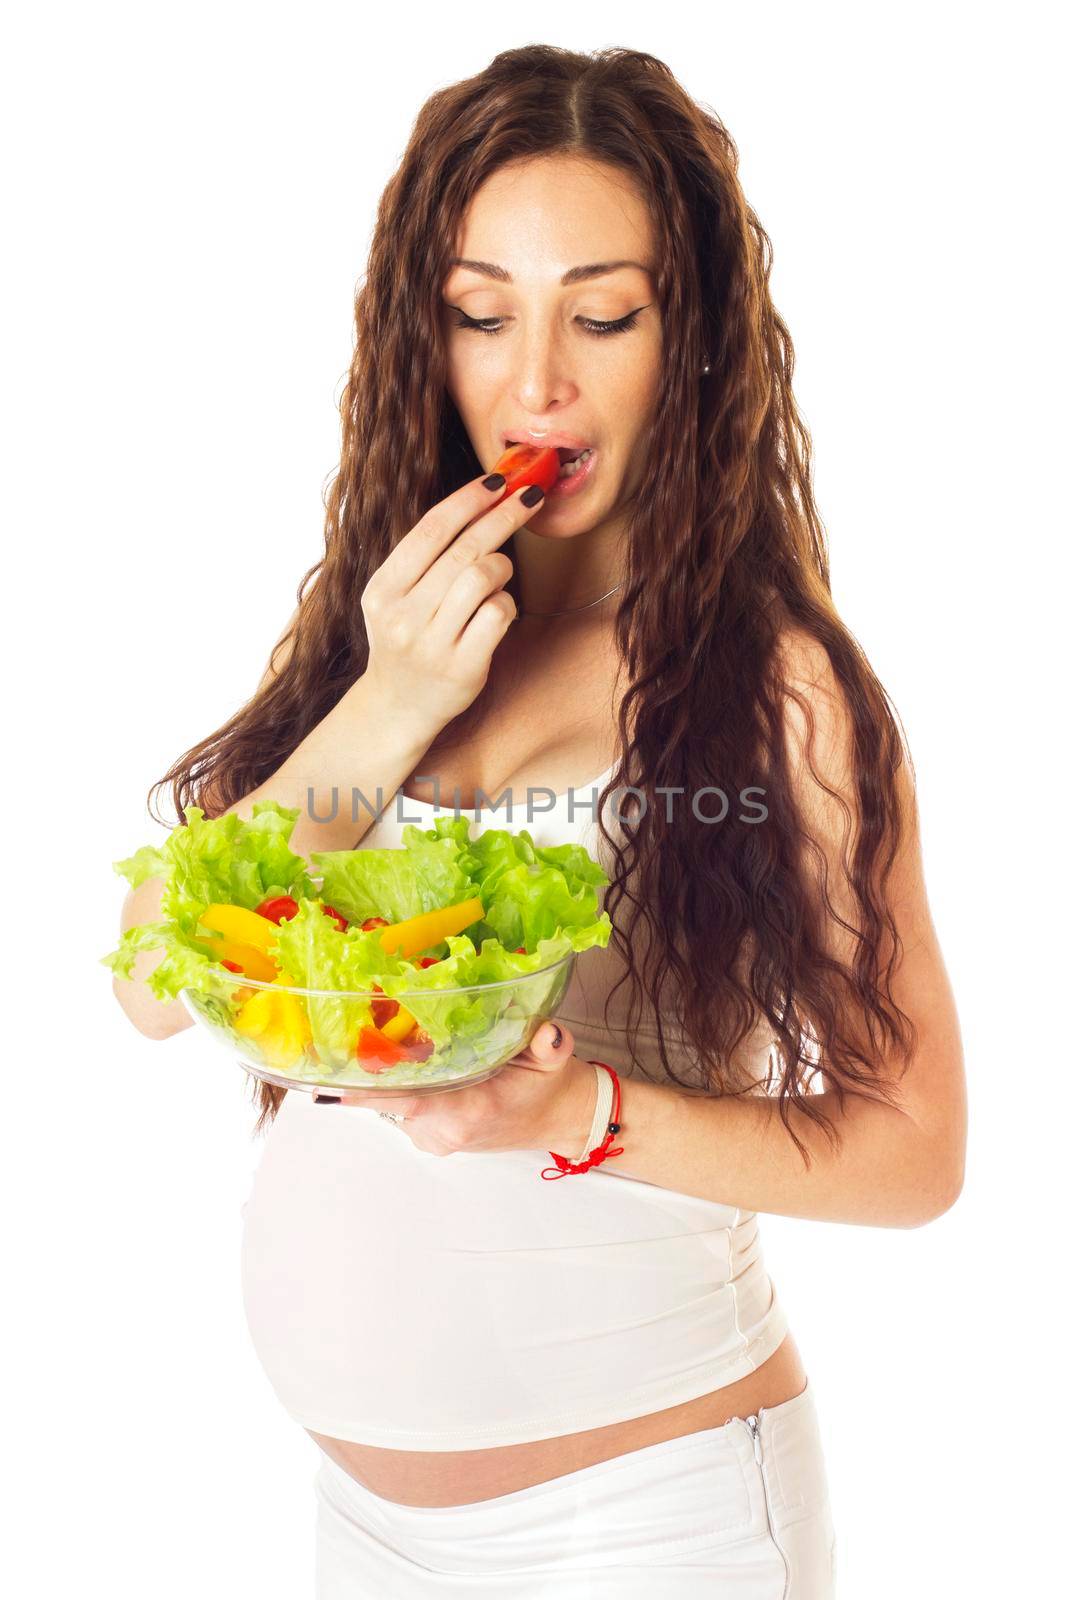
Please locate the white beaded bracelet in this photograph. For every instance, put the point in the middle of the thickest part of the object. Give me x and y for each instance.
(601, 1112)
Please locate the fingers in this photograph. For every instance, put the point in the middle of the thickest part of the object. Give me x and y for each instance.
(452, 534)
(445, 663)
(399, 1105)
(477, 549)
(551, 1046)
(552, 1038)
(476, 610)
(419, 548)
(417, 551)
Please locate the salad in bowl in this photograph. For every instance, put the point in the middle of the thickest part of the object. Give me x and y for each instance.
(417, 969)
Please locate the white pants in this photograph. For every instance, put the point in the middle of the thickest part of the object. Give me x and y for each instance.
(697, 1516)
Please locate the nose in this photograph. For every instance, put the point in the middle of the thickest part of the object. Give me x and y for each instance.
(541, 383)
(540, 395)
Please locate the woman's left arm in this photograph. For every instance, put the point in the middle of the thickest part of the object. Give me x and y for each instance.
(894, 1168)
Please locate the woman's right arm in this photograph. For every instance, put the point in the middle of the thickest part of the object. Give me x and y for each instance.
(350, 746)
(435, 611)
(156, 1019)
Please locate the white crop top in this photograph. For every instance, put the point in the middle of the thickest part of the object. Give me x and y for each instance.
(422, 1302)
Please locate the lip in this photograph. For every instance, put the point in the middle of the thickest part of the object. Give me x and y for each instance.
(545, 441)
(577, 480)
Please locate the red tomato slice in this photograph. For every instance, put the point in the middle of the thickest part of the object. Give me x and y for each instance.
(522, 464)
(428, 961)
(383, 1010)
(520, 949)
(375, 1052)
(232, 966)
(282, 905)
(371, 922)
(341, 922)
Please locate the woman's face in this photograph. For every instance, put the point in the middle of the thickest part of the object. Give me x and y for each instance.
(544, 370)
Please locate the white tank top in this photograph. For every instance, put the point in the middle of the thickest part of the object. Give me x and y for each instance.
(423, 1302)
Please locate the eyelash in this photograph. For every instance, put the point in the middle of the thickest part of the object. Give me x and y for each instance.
(599, 329)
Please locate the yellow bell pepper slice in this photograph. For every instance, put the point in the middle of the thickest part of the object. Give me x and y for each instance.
(256, 1015)
(241, 926)
(291, 1034)
(280, 1049)
(291, 1015)
(400, 1026)
(253, 963)
(277, 1023)
(415, 934)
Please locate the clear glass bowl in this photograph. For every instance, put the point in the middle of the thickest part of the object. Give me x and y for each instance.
(315, 1039)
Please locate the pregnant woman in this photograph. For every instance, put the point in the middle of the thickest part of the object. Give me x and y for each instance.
(588, 1387)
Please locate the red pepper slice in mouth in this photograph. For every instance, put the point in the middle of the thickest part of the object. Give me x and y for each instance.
(523, 464)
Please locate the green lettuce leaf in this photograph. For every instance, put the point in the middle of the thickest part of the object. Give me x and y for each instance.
(530, 892)
(395, 884)
(184, 965)
(222, 861)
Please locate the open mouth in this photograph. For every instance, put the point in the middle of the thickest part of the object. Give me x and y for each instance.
(570, 460)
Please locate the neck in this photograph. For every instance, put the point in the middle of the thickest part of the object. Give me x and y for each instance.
(565, 574)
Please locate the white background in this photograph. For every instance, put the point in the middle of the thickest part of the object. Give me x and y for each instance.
(189, 196)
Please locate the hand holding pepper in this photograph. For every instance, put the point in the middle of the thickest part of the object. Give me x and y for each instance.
(436, 608)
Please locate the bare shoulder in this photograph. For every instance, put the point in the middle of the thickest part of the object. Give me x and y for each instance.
(807, 671)
(830, 761)
(818, 719)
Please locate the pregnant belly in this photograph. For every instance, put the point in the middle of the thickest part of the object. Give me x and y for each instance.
(461, 1477)
(401, 1304)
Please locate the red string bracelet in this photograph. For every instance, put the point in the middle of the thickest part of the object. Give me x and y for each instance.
(563, 1167)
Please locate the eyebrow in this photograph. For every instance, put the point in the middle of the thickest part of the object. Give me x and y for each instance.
(598, 269)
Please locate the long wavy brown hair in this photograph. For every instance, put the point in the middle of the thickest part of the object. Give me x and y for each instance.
(724, 557)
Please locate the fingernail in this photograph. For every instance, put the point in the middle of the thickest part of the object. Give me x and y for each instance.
(327, 1099)
(495, 480)
(558, 1040)
(533, 495)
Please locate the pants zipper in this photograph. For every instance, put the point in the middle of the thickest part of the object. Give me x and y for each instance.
(753, 1425)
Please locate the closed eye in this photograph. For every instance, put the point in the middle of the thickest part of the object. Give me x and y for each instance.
(485, 324)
